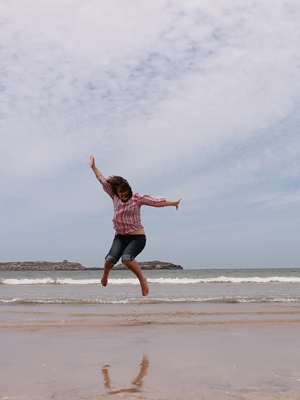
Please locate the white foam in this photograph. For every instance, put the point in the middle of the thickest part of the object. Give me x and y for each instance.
(27, 281)
(69, 281)
(226, 279)
(162, 281)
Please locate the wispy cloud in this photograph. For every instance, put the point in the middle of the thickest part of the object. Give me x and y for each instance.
(192, 100)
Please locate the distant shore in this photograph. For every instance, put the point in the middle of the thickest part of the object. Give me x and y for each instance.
(75, 266)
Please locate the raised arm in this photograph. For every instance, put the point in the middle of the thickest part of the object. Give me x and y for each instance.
(106, 186)
(174, 203)
(93, 166)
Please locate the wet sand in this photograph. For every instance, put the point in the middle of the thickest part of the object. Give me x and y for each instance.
(151, 351)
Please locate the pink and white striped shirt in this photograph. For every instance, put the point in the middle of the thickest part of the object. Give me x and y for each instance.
(127, 216)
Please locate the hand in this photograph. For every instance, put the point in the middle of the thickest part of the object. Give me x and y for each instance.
(172, 203)
(177, 203)
(92, 161)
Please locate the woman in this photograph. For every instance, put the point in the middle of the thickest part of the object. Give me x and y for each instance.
(130, 237)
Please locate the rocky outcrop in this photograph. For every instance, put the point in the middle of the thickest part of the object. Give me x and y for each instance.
(70, 266)
(146, 265)
(40, 266)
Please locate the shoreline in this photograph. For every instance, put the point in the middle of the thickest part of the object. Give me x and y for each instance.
(150, 352)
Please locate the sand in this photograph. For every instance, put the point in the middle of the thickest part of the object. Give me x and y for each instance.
(152, 351)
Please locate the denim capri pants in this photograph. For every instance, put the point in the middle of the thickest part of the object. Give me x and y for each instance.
(125, 246)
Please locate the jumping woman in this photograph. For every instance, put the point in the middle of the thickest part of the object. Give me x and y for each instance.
(130, 237)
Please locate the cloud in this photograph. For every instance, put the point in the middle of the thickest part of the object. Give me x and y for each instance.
(194, 100)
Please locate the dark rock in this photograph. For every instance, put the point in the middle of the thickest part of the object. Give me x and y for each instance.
(70, 266)
(147, 265)
(40, 266)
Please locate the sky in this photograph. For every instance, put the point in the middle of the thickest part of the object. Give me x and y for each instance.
(185, 99)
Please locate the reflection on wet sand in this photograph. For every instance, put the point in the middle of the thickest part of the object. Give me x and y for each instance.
(137, 382)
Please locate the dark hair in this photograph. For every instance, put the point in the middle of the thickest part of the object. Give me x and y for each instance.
(119, 183)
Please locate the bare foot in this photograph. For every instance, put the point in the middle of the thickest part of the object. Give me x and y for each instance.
(145, 287)
(104, 280)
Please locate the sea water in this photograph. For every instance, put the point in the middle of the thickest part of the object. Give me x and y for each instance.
(166, 286)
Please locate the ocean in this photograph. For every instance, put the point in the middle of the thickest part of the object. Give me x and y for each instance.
(166, 286)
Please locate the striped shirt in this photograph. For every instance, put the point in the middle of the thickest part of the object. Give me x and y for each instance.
(127, 216)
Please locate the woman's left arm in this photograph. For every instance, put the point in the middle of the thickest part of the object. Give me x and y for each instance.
(155, 201)
(174, 203)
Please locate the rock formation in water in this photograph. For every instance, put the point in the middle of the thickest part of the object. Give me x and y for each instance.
(70, 266)
(40, 266)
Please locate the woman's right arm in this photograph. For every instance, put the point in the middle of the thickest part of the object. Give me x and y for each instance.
(106, 186)
(93, 166)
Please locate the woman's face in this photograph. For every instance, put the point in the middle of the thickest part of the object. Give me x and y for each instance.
(123, 195)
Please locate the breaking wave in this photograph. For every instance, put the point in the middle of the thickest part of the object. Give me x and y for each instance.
(162, 281)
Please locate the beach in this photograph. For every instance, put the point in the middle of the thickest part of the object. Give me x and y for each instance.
(181, 351)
